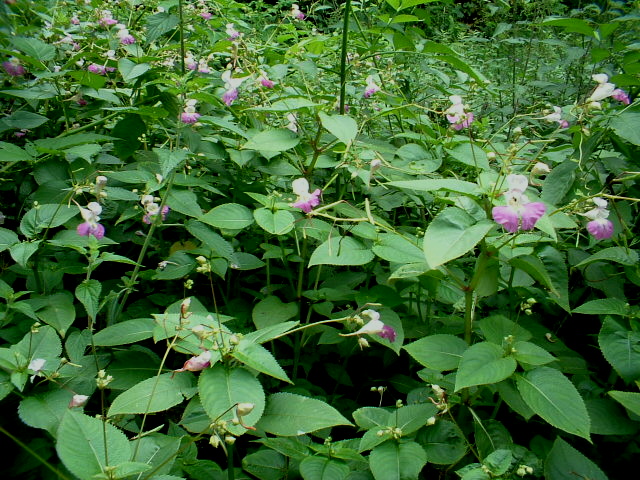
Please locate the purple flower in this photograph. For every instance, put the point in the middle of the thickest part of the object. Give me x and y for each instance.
(91, 216)
(85, 229)
(457, 113)
(556, 116)
(195, 364)
(125, 37)
(230, 96)
(265, 82)
(13, 67)
(599, 226)
(98, 69)
(232, 32)
(151, 214)
(306, 201)
(231, 85)
(296, 13)
(519, 213)
(371, 87)
(373, 327)
(206, 15)
(189, 117)
(389, 333)
(107, 19)
(621, 96)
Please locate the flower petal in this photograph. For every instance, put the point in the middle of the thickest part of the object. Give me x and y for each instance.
(507, 217)
(531, 213)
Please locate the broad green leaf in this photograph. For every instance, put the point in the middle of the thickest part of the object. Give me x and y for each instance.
(45, 410)
(230, 216)
(13, 153)
(531, 354)
(221, 388)
(498, 462)
(185, 202)
(558, 183)
(397, 461)
(266, 464)
(341, 251)
(288, 414)
(38, 92)
(88, 293)
(343, 127)
(56, 144)
(288, 104)
(371, 417)
(81, 445)
(629, 400)
(471, 155)
(573, 25)
(439, 352)
(158, 451)
(554, 398)
(624, 125)
(7, 238)
(270, 332)
(131, 70)
(443, 443)
(272, 311)
(259, 358)
(159, 24)
(276, 223)
(58, 311)
(34, 48)
(512, 397)
(418, 158)
(271, 142)
(396, 248)
(483, 363)
(323, 468)
(566, 463)
(210, 239)
(23, 119)
(124, 333)
(452, 234)
(410, 418)
(46, 216)
(433, 184)
(556, 267)
(22, 252)
(621, 348)
(603, 306)
(169, 160)
(496, 327)
(620, 255)
(607, 418)
(152, 395)
(490, 435)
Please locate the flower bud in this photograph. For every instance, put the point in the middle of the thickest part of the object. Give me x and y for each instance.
(245, 408)
(214, 440)
(540, 168)
(431, 421)
(229, 439)
(78, 400)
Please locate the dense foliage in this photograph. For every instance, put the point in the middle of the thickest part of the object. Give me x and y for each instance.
(377, 239)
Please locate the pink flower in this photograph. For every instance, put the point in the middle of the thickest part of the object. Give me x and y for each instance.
(78, 401)
(203, 67)
(150, 216)
(519, 213)
(190, 115)
(374, 327)
(125, 37)
(195, 364)
(230, 96)
(107, 19)
(206, 15)
(98, 69)
(296, 13)
(556, 116)
(75, 20)
(13, 67)
(603, 90)
(306, 201)
(265, 82)
(621, 96)
(457, 113)
(231, 85)
(371, 87)
(232, 32)
(599, 226)
(91, 216)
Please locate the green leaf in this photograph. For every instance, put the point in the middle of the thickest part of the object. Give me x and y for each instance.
(531, 354)
(22, 252)
(469, 154)
(158, 451)
(276, 223)
(629, 400)
(418, 158)
(185, 202)
(433, 184)
(496, 327)
(288, 415)
(23, 119)
(169, 159)
(443, 443)
(131, 70)
(498, 462)
(266, 464)
(272, 311)
(554, 398)
(452, 234)
(13, 153)
(59, 312)
(607, 418)
(439, 352)
(45, 410)
(573, 25)
(271, 142)
(490, 435)
(558, 183)
(622, 255)
(220, 389)
(603, 306)
(396, 248)
(512, 397)
(410, 418)
(154, 394)
(343, 127)
(34, 48)
(81, 445)
(259, 358)
(46, 216)
(88, 293)
(39, 92)
(341, 251)
(7, 239)
(566, 463)
(288, 104)
(210, 239)
(483, 363)
(124, 333)
(231, 216)
(397, 461)
(56, 144)
(371, 417)
(556, 267)
(159, 24)
(621, 348)
(322, 468)
(623, 126)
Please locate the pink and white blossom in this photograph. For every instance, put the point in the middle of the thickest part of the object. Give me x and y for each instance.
(206, 15)
(519, 213)
(374, 326)
(195, 364)
(556, 116)
(306, 201)
(458, 114)
(232, 32)
(599, 226)
(125, 37)
(621, 96)
(371, 88)
(36, 365)
(603, 90)
(265, 82)
(13, 67)
(296, 13)
(231, 87)
(91, 217)
(78, 400)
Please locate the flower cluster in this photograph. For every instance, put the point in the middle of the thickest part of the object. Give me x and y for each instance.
(189, 115)
(91, 217)
(125, 37)
(605, 89)
(152, 209)
(556, 116)
(306, 201)
(599, 226)
(99, 69)
(232, 32)
(519, 213)
(13, 67)
(106, 19)
(458, 115)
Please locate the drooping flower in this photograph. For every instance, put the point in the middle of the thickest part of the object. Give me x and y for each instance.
(195, 364)
(621, 96)
(604, 88)
(232, 32)
(91, 216)
(374, 326)
(293, 122)
(599, 226)
(190, 62)
(36, 365)
(519, 213)
(203, 66)
(106, 20)
(97, 69)
(296, 13)
(75, 20)
(540, 168)
(78, 400)
(556, 116)
(206, 15)
(265, 82)
(231, 87)
(125, 37)
(13, 67)
(189, 115)
(306, 201)
(457, 113)
(152, 209)
(371, 88)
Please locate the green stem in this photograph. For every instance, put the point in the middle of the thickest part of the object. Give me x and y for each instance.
(231, 474)
(343, 55)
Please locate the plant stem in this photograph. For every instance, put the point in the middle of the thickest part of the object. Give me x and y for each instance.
(343, 55)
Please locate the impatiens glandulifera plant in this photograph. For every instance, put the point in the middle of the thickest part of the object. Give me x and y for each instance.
(455, 296)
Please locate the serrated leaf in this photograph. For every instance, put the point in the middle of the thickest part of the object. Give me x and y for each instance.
(220, 389)
(469, 154)
(623, 126)
(288, 414)
(13, 153)
(343, 127)
(322, 468)
(23, 251)
(512, 397)
(443, 443)
(496, 327)
(45, 410)
(483, 363)
(131, 70)
(603, 306)
(159, 24)
(154, 394)
(59, 312)
(276, 223)
(46, 216)
(629, 400)
(80, 444)
(554, 398)
(266, 464)
(259, 358)
(88, 293)
(185, 202)
(341, 251)
(397, 249)
(566, 463)
(531, 354)
(621, 348)
(34, 48)
(371, 417)
(231, 216)
(272, 311)
(397, 461)
(439, 352)
(7, 239)
(620, 255)
(271, 142)
(125, 333)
